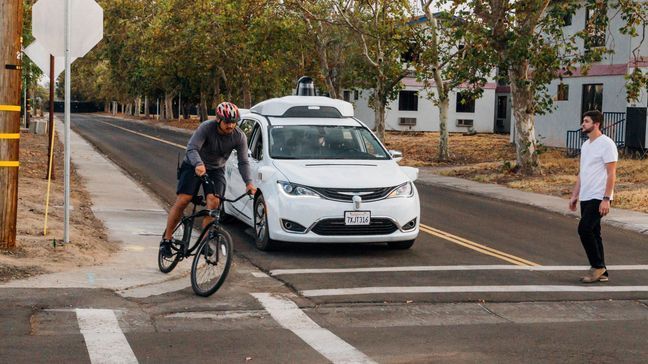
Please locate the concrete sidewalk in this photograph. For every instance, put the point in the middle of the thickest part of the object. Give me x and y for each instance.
(625, 219)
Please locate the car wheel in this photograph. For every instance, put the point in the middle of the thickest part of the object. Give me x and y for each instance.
(401, 244)
(261, 231)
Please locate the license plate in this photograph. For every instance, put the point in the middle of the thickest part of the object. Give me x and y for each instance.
(357, 217)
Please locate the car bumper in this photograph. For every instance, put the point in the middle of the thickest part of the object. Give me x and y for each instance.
(389, 216)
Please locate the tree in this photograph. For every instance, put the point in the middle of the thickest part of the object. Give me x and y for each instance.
(383, 31)
(446, 58)
(526, 42)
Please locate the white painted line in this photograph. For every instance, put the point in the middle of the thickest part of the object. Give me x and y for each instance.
(104, 339)
(467, 289)
(437, 268)
(290, 317)
(260, 275)
(156, 289)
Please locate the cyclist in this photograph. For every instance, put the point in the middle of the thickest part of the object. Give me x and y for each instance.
(207, 152)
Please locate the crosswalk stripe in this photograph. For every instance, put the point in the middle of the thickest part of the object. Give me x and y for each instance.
(290, 317)
(440, 268)
(467, 289)
(104, 338)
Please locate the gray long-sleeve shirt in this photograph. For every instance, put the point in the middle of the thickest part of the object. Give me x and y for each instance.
(207, 146)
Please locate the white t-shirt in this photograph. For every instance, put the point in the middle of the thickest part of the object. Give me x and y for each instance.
(593, 174)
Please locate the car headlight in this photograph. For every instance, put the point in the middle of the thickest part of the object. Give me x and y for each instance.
(292, 189)
(404, 190)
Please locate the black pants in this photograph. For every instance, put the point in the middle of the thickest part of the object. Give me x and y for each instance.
(589, 230)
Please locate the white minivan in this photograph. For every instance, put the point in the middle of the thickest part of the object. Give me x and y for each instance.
(322, 177)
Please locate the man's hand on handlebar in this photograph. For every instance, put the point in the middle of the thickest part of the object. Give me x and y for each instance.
(200, 170)
(250, 189)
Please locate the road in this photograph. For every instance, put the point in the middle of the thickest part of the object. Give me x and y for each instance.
(486, 281)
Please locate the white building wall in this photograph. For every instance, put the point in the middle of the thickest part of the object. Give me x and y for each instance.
(551, 128)
(427, 115)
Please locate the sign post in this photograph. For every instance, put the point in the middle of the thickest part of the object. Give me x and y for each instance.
(69, 29)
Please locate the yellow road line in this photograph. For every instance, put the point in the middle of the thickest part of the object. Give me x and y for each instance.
(9, 135)
(477, 247)
(145, 135)
(9, 107)
(9, 164)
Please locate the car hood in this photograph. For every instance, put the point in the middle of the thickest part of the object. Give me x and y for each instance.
(342, 174)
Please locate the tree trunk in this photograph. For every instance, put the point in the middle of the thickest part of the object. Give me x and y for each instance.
(168, 105)
(107, 107)
(443, 129)
(202, 110)
(528, 162)
(186, 110)
(138, 106)
(247, 92)
(147, 114)
(379, 109)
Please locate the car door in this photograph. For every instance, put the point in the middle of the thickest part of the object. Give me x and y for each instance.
(235, 184)
(255, 155)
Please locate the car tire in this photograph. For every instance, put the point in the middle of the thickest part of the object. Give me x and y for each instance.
(401, 245)
(261, 232)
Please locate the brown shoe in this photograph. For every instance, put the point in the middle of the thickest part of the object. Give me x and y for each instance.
(595, 275)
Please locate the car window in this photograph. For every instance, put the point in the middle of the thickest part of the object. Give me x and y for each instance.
(324, 142)
(247, 126)
(256, 147)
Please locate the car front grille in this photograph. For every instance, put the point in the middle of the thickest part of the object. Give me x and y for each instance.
(378, 226)
(346, 194)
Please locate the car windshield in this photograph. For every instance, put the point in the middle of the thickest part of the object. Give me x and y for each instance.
(324, 142)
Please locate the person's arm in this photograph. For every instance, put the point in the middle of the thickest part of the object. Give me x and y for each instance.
(574, 197)
(193, 147)
(604, 207)
(244, 163)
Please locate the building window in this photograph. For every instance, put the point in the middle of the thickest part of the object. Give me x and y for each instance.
(502, 106)
(563, 92)
(592, 97)
(567, 20)
(465, 103)
(596, 30)
(407, 121)
(408, 101)
(347, 96)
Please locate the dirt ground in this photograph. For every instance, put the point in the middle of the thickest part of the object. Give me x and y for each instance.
(36, 253)
(489, 158)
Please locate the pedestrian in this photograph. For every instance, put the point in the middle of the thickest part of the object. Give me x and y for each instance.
(595, 190)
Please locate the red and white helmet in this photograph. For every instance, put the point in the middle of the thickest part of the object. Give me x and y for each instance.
(228, 112)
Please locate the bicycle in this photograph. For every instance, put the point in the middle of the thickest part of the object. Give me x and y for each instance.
(212, 251)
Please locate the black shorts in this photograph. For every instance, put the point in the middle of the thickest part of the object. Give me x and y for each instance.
(188, 182)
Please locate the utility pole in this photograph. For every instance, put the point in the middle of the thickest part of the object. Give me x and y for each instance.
(10, 63)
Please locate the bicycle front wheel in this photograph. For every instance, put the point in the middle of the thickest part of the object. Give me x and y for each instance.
(211, 263)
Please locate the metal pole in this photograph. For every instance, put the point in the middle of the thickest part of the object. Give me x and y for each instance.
(50, 124)
(179, 103)
(68, 76)
(24, 123)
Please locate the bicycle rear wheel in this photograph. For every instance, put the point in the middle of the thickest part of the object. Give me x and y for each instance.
(211, 263)
(166, 264)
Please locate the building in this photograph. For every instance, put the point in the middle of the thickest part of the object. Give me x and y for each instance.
(603, 88)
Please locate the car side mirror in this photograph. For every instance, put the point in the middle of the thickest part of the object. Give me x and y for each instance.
(396, 155)
(265, 173)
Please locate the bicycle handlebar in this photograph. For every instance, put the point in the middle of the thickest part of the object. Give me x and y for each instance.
(205, 179)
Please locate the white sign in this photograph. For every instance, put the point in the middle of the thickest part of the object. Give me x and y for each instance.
(86, 27)
(41, 58)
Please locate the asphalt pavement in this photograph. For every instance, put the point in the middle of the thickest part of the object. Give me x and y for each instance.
(492, 277)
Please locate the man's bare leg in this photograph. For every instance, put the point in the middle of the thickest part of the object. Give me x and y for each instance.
(175, 214)
(212, 203)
